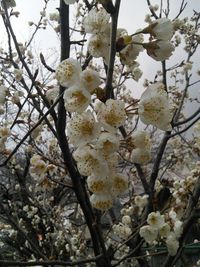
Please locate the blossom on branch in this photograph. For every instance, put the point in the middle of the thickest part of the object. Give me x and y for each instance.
(154, 107)
(101, 201)
(83, 129)
(140, 146)
(140, 155)
(155, 219)
(98, 46)
(90, 161)
(149, 233)
(161, 29)
(159, 50)
(68, 72)
(52, 94)
(164, 230)
(108, 143)
(172, 244)
(132, 50)
(97, 21)
(90, 79)
(38, 166)
(76, 98)
(139, 139)
(112, 114)
(98, 184)
(119, 184)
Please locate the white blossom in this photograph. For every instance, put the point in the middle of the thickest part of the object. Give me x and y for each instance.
(18, 74)
(141, 201)
(108, 143)
(139, 139)
(161, 29)
(154, 107)
(52, 94)
(90, 79)
(38, 166)
(54, 16)
(101, 201)
(159, 50)
(149, 233)
(98, 46)
(83, 128)
(89, 161)
(126, 219)
(76, 98)
(68, 72)
(131, 51)
(136, 74)
(4, 134)
(155, 219)
(111, 159)
(97, 21)
(178, 228)
(187, 66)
(98, 184)
(172, 244)
(119, 184)
(112, 114)
(122, 230)
(173, 215)
(164, 230)
(141, 155)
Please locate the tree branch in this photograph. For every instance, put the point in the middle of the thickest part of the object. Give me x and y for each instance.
(108, 86)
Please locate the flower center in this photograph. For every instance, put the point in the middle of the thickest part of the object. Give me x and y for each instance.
(68, 71)
(87, 128)
(79, 97)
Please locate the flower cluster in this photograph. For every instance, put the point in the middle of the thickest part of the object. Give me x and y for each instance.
(161, 31)
(164, 229)
(182, 188)
(141, 147)
(93, 132)
(159, 47)
(134, 208)
(129, 54)
(97, 24)
(80, 84)
(129, 46)
(122, 230)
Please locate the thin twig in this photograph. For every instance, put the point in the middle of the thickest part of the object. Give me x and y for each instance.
(29, 132)
(186, 128)
(151, 9)
(45, 64)
(187, 119)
